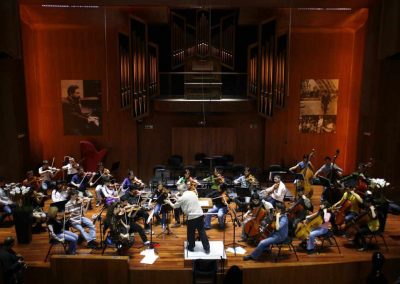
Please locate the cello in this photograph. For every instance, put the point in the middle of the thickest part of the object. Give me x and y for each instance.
(304, 229)
(253, 223)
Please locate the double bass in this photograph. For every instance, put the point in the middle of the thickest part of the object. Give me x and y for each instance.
(308, 175)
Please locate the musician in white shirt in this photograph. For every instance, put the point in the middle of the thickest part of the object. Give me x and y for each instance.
(276, 192)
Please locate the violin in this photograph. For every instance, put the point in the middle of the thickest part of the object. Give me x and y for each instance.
(251, 180)
(219, 179)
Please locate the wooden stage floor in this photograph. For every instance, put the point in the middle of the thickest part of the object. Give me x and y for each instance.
(171, 251)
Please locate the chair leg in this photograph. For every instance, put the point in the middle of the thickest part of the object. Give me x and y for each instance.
(48, 252)
(279, 253)
(294, 250)
(384, 241)
(337, 245)
(104, 248)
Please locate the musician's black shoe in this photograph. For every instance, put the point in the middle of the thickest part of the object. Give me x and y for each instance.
(247, 257)
(190, 249)
(207, 251)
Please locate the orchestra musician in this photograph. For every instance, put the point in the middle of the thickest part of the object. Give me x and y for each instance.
(247, 180)
(355, 200)
(189, 203)
(133, 197)
(97, 181)
(109, 192)
(56, 226)
(326, 216)
(306, 168)
(120, 213)
(279, 235)
(298, 211)
(220, 206)
(81, 181)
(37, 199)
(216, 179)
(6, 204)
(31, 181)
(159, 196)
(276, 192)
(47, 174)
(371, 226)
(12, 264)
(182, 185)
(60, 192)
(131, 179)
(72, 168)
(329, 169)
(253, 208)
(77, 219)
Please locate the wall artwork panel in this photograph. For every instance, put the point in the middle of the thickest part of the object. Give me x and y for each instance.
(81, 104)
(318, 105)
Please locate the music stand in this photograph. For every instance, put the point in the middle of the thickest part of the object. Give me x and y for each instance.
(60, 205)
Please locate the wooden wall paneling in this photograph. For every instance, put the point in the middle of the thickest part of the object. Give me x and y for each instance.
(318, 54)
(90, 269)
(55, 53)
(156, 145)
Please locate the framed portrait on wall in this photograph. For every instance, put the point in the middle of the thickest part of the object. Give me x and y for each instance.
(81, 105)
(318, 105)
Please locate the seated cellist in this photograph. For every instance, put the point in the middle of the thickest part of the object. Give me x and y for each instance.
(326, 215)
(371, 226)
(354, 209)
(279, 235)
(256, 213)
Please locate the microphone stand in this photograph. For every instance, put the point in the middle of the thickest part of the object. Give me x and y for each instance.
(151, 245)
(234, 244)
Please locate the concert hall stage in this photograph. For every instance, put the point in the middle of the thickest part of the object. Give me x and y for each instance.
(89, 266)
